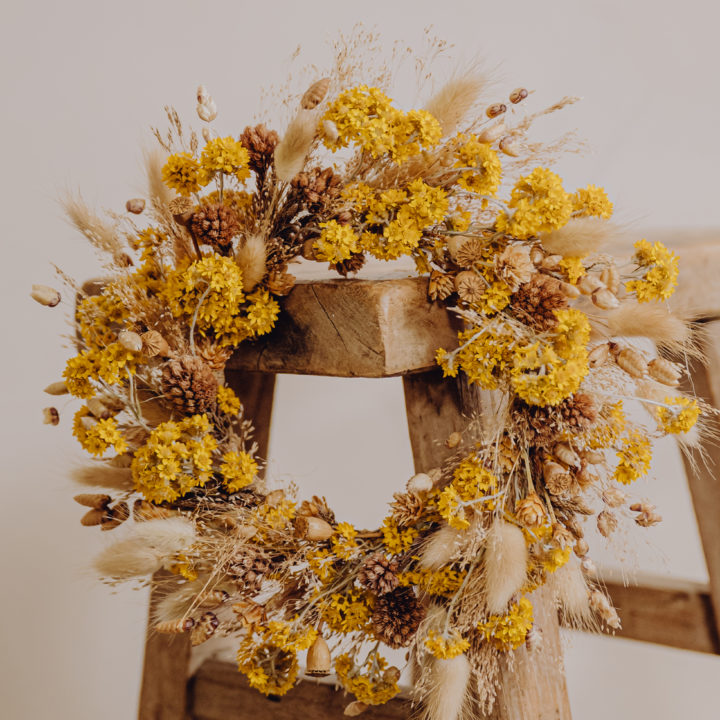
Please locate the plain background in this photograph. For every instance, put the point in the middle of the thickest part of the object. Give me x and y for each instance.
(81, 83)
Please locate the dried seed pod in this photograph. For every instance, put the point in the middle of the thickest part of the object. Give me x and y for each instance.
(206, 108)
(315, 94)
(88, 422)
(648, 519)
(631, 362)
(611, 277)
(557, 479)
(207, 134)
(510, 146)
(130, 340)
(453, 440)
(93, 517)
(154, 344)
(469, 286)
(204, 629)
(212, 598)
(599, 355)
(604, 299)
(614, 497)
(568, 290)
(530, 512)
(565, 454)
(420, 483)
(391, 674)
(492, 133)
(606, 523)
(57, 388)
(440, 286)
(355, 708)
(588, 566)
(562, 537)
(581, 548)
(664, 372)
(586, 477)
(98, 409)
(589, 283)
(537, 255)
(182, 210)
(601, 605)
(492, 111)
(175, 627)
(318, 662)
(115, 516)
(594, 457)
(574, 527)
(97, 501)
(51, 416)
(121, 461)
(518, 95)
(308, 249)
(45, 295)
(313, 528)
(135, 206)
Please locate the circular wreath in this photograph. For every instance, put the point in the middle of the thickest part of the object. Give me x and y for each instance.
(549, 323)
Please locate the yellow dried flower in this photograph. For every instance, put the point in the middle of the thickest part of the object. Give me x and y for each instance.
(680, 416)
(336, 242)
(592, 201)
(228, 401)
(347, 612)
(660, 280)
(508, 632)
(238, 469)
(223, 155)
(471, 153)
(634, 458)
(368, 683)
(100, 436)
(444, 582)
(397, 540)
(572, 268)
(181, 173)
(446, 646)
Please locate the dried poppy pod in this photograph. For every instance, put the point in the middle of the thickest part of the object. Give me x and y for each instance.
(492, 111)
(318, 663)
(604, 299)
(313, 528)
(204, 629)
(557, 479)
(135, 206)
(175, 627)
(51, 416)
(130, 340)
(631, 362)
(518, 95)
(664, 372)
(599, 355)
(315, 94)
(154, 344)
(565, 454)
(530, 512)
(45, 295)
(606, 523)
(469, 286)
(492, 133)
(182, 210)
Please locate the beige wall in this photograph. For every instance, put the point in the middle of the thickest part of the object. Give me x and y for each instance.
(82, 80)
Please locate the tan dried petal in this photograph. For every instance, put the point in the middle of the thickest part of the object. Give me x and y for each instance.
(614, 497)
(586, 477)
(57, 388)
(601, 605)
(611, 277)
(280, 282)
(598, 355)
(581, 548)
(604, 299)
(589, 283)
(204, 628)
(514, 266)
(469, 286)
(564, 452)
(45, 295)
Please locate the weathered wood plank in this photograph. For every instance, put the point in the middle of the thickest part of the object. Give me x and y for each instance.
(220, 692)
(534, 687)
(352, 328)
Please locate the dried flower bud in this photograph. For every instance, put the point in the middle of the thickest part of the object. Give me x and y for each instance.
(611, 277)
(57, 388)
(536, 254)
(510, 146)
(453, 440)
(45, 295)
(469, 286)
(518, 95)
(631, 362)
(614, 497)
(664, 372)
(562, 537)
(492, 133)
(588, 566)
(599, 355)
(206, 108)
(51, 416)
(318, 662)
(594, 457)
(153, 344)
(565, 454)
(568, 290)
(280, 283)
(604, 299)
(606, 523)
(135, 206)
(391, 674)
(207, 134)
(93, 517)
(355, 708)
(530, 512)
(646, 514)
(601, 605)
(420, 483)
(116, 516)
(130, 340)
(313, 528)
(495, 109)
(315, 94)
(586, 477)
(204, 629)
(440, 286)
(550, 262)
(175, 627)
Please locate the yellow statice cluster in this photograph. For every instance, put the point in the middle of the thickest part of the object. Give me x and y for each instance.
(228, 401)
(347, 612)
(176, 458)
(592, 201)
(343, 541)
(679, 415)
(336, 242)
(660, 279)
(186, 175)
(634, 458)
(278, 516)
(262, 312)
(369, 683)
(484, 168)
(321, 562)
(508, 632)
(366, 117)
(446, 645)
(184, 566)
(444, 582)
(97, 436)
(540, 205)
(396, 539)
(238, 469)
(108, 365)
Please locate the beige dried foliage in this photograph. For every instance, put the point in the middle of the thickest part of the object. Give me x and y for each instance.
(99, 232)
(251, 257)
(451, 104)
(103, 476)
(579, 237)
(655, 321)
(293, 149)
(127, 558)
(441, 547)
(505, 564)
(159, 193)
(573, 595)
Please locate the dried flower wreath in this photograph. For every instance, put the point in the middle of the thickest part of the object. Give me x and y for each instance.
(548, 321)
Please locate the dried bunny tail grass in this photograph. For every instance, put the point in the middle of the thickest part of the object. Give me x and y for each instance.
(251, 257)
(654, 321)
(441, 547)
(451, 104)
(127, 558)
(103, 476)
(293, 149)
(505, 564)
(573, 595)
(159, 193)
(178, 602)
(579, 237)
(101, 234)
(166, 535)
(446, 694)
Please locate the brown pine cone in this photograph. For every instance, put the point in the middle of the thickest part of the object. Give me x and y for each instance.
(538, 299)
(248, 568)
(317, 188)
(396, 617)
(542, 425)
(189, 384)
(406, 508)
(214, 355)
(351, 265)
(379, 574)
(260, 144)
(216, 225)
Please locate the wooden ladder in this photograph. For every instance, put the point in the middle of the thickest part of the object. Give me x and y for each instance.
(385, 328)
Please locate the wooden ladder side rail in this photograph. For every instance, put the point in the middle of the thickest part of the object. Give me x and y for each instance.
(163, 690)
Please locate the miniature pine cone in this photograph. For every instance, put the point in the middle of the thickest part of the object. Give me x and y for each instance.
(317, 187)
(539, 299)
(216, 225)
(351, 265)
(379, 574)
(214, 355)
(406, 508)
(248, 568)
(396, 617)
(260, 144)
(190, 384)
(574, 415)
